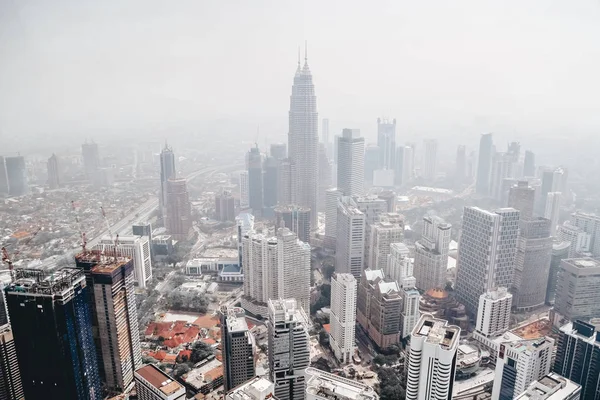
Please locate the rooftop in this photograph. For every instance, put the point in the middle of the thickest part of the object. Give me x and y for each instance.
(236, 319)
(159, 380)
(550, 387)
(38, 282)
(372, 274)
(255, 389)
(437, 331)
(583, 263)
(332, 387)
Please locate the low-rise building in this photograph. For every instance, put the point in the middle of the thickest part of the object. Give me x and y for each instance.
(551, 387)
(153, 384)
(321, 385)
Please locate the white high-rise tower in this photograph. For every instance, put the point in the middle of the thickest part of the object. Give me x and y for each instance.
(343, 316)
(351, 163)
(431, 253)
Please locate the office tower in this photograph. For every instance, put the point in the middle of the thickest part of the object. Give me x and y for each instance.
(431, 253)
(430, 160)
(502, 168)
(245, 224)
(167, 171)
(551, 387)
(529, 164)
(350, 238)
(577, 356)
(296, 219)
(410, 306)
(244, 191)
(519, 364)
(153, 384)
(389, 197)
(493, 313)
(4, 189)
(371, 205)
(289, 352)
(553, 180)
(114, 296)
(255, 389)
(351, 163)
(322, 385)
(225, 206)
(399, 264)
(53, 172)
(179, 209)
(381, 236)
(134, 247)
(590, 224)
(332, 197)
(325, 170)
(238, 348)
(486, 253)
(270, 185)
(532, 264)
(404, 165)
(52, 326)
(386, 141)
(286, 183)
(484, 165)
(343, 316)
(11, 387)
(552, 211)
(460, 174)
(16, 172)
(372, 160)
(294, 268)
(4, 318)
(577, 294)
(432, 359)
(303, 138)
(336, 141)
(522, 197)
(379, 308)
(560, 251)
(278, 151)
(255, 180)
(91, 159)
(577, 237)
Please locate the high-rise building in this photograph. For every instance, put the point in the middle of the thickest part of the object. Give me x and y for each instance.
(270, 185)
(390, 199)
(278, 151)
(343, 316)
(486, 253)
(379, 308)
(431, 253)
(16, 172)
(552, 211)
(91, 159)
(294, 268)
(286, 188)
(560, 251)
(577, 356)
(372, 160)
(532, 264)
(590, 224)
(493, 313)
(410, 306)
(114, 296)
(577, 295)
(245, 224)
(484, 166)
(225, 206)
(503, 170)
(529, 164)
(430, 159)
(289, 352)
(167, 171)
(551, 387)
(255, 181)
(519, 364)
(11, 387)
(553, 180)
(179, 209)
(332, 197)
(52, 327)
(350, 238)
(522, 197)
(386, 141)
(4, 189)
(371, 205)
(432, 359)
(381, 236)
(255, 389)
(53, 172)
(579, 239)
(325, 170)
(296, 219)
(460, 173)
(351, 163)
(322, 385)
(137, 248)
(153, 384)
(244, 191)
(325, 136)
(399, 265)
(303, 138)
(238, 348)
(404, 165)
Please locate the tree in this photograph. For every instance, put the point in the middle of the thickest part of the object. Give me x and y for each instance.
(200, 351)
(390, 385)
(180, 370)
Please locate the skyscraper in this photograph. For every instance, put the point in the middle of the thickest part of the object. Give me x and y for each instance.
(399, 265)
(325, 171)
(4, 189)
(238, 348)
(255, 180)
(11, 387)
(294, 268)
(52, 326)
(244, 191)
(431, 254)
(179, 209)
(286, 187)
(138, 248)
(343, 316)
(225, 209)
(270, 185)
(432, 359)
(278, 151)
(296, 219)
(325, 136)
(404, 165)
(289, 352)
(350, 238)
(91, 159)
(351, 163)
(53, 172)
(410, 306)
(560, 251)
(16, 172)
(372, 160)
(486, 253)
(502, 169)
(484, 166)
(529, 164)
(167, 171)
(430, 161)
(386, 141)
(303, 138)
(522, 197)
(460, 173)
(590, 224)
(332, 197)
(552, 211)
(493, 313)
(381, 236)
(577, 295)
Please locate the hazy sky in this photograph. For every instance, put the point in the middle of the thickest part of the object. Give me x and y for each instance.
(440, 67)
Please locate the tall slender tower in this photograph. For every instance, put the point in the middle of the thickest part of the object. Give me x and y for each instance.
(351, 163)
(303, 138)
(430, 162)
(431, 253)
(53, 172)
(343, 316)
(10, 377)
(238, 348)
(484, 166)
(386, 141)
(167, 171)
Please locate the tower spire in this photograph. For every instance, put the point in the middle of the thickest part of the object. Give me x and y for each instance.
(298, 56)
(306, 52)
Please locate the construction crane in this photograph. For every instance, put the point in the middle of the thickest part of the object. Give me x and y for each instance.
(81, 232)
(9, 261)
(113, 240)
